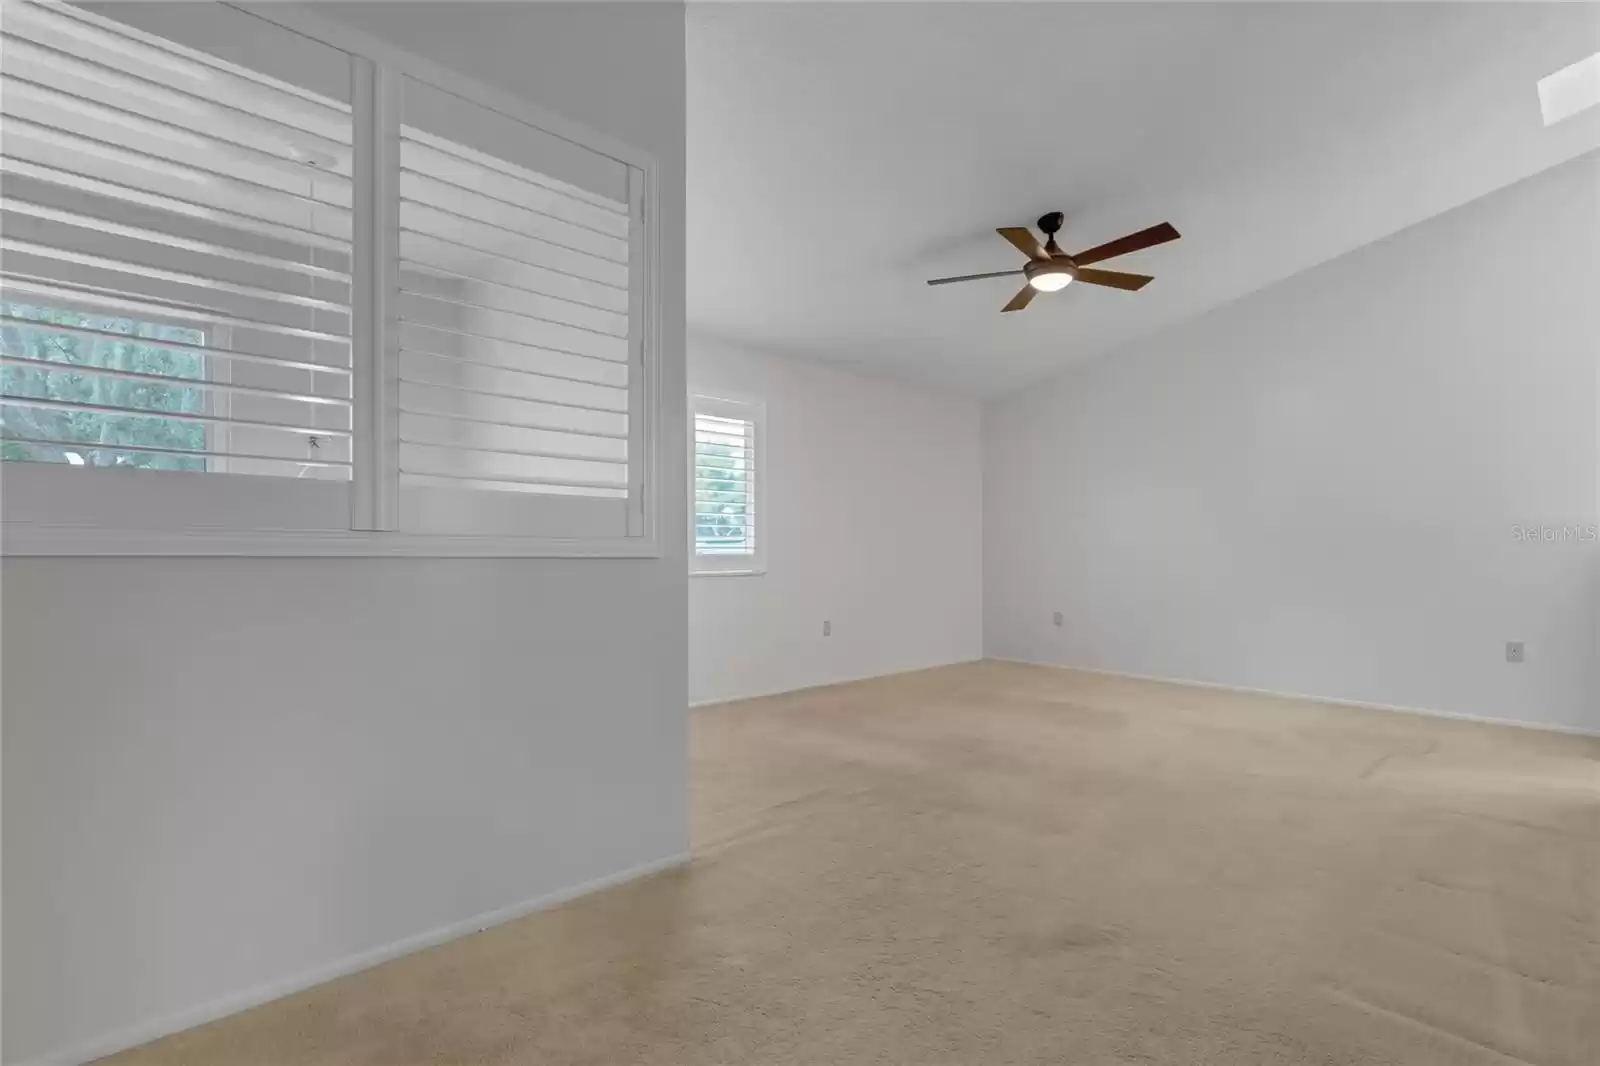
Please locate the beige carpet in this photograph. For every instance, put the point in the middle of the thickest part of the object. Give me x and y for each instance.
(996, 864)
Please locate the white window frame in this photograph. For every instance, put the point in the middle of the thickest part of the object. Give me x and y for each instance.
(755, 412)
(49, 510)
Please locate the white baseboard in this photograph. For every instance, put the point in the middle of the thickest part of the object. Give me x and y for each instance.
(827, 684)
(145, 1032)
(1428, 712)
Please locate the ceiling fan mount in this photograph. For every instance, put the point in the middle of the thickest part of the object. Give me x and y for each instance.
(1049, 269)
(1050, 225)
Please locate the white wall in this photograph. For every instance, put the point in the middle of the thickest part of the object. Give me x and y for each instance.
(222, 775)
(1313, 490)
(872, 506)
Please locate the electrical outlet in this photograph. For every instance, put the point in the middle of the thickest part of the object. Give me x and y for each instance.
(1058, 619)
(827, 628)
(1514, 651)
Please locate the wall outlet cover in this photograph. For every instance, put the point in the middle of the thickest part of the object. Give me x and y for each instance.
(1058, 619)
(1514, 651)
(827, 628)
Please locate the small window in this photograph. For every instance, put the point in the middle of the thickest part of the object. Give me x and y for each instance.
(726, 510)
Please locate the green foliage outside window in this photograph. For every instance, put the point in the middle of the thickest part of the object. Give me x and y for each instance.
(721, 499)
(95, 438)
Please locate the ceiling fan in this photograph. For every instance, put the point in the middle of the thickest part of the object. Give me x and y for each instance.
(1050, 269)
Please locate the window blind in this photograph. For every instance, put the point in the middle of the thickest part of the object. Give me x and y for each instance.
(176, 255)
(228, 247)
(724, 485)
(515, 345)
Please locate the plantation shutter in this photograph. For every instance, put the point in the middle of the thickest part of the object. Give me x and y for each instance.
(726, 471)
(175, 265)
(517, 338)
(413, 308)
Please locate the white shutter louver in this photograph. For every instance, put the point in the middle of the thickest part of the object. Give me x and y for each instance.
(516, 346)
(727, 485)
(176, 255)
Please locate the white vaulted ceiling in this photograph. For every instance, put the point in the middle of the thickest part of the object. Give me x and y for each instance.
(841, 154)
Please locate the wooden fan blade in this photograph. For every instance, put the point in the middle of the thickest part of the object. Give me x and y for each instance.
(1115, 279)
(1024, 241)
(1021, 299)
(1133, 242)
(974, 277)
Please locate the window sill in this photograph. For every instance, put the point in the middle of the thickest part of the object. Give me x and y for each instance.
(34, 539)
(751, 572)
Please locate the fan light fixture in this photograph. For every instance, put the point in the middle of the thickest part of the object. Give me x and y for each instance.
(1049, 269)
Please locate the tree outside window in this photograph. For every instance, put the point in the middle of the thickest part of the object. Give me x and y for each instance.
(95, 438)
